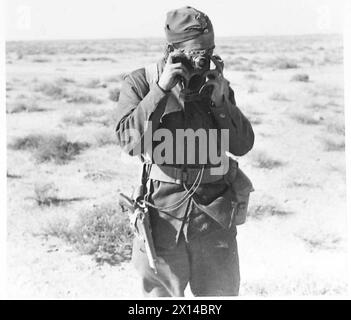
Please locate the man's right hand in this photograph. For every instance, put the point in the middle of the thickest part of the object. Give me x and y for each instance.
(172, 74)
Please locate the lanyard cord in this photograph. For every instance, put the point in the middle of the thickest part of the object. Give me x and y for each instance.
(189, 192)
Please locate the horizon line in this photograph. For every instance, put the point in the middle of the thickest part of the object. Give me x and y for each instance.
(162, 37)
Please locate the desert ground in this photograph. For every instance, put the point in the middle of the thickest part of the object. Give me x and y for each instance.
(67, 237)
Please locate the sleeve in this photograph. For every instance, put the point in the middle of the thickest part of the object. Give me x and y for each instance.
(135, 114)
(241, 135)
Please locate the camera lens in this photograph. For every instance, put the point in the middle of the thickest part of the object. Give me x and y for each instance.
(201, 62)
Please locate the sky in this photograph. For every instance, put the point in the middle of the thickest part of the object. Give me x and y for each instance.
(95, 19)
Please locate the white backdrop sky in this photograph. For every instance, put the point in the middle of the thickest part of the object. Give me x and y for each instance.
(81, 19)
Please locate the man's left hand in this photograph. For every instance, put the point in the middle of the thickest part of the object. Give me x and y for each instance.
(217, 85)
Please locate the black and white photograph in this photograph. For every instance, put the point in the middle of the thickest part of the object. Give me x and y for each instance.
(175, 149)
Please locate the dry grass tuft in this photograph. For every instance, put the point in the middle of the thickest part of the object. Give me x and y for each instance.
(252, 76)
(261, 211)
(321, 241)
(262, 160)
(283, 63)
(316, 106)
(81, 97)
(114, 94)
(277, 96)
(255, 120)
(57, 91)
(52, 90)
(41, 60)
(46, 194)
(23, 106)
(300, 77)
(334, 145)
(94, 84)
(116, 78)
(49, 147)
(103, 117)
(103, 232)
(336, 127)
(252, 89)
(305, 119)
(105, 137)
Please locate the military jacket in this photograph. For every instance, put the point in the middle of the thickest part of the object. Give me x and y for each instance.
(143, 108)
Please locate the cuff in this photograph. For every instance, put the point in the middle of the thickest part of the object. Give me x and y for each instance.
(153, 99)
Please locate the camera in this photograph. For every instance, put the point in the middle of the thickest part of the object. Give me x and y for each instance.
(192, 61)
(197, 63)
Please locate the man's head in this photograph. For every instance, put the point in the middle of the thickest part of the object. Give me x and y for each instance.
(189, 29)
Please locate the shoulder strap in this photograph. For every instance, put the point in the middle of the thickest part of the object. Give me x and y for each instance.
(151, 73)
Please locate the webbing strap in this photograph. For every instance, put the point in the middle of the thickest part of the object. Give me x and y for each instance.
(179, 176)
(189, 193)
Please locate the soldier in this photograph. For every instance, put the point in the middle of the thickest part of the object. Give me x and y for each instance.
(190, 207)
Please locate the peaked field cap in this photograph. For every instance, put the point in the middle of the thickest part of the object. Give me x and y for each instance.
(188, 23)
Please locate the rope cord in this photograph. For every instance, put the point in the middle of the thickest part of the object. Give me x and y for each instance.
(189, 193)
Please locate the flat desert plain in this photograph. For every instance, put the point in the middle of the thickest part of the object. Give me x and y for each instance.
(67, 237)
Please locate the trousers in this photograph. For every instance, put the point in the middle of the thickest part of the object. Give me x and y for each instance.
(209, 263)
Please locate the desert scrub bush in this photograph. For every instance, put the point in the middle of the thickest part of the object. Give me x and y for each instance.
(23, 106)
(114, 94)
(300, 77)
(49, 147)
(116, 78)
(9, 86)
(94, 84)
(45, 194)
(283, 63)
(316, 106)
(336, 127)
(103, 117)
(261, 211)
(306, 119)
(76, 119)
(41, 60)
(53, 90)
(333, 144)
(29, 142)
(58, 91)
(277, 96)
(97, 59)
(255, 120)
(103, 232)
(252, 89)
(320, 241)
(252, 76)
(81, 97)
(238, 64)
(262, 160)
(65, 80)
(58, 227)
(105, 137)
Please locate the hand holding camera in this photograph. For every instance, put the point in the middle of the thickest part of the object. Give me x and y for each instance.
(217, 87)
(172, 73)
(193, 70)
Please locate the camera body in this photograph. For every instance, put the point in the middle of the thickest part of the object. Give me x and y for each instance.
(197, 63)
(193, 61)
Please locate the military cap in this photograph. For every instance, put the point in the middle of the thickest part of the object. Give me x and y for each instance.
(188, 23)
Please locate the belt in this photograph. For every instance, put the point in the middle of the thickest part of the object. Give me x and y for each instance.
(181, 175)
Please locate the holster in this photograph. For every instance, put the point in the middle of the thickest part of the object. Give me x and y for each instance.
(241, 187)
